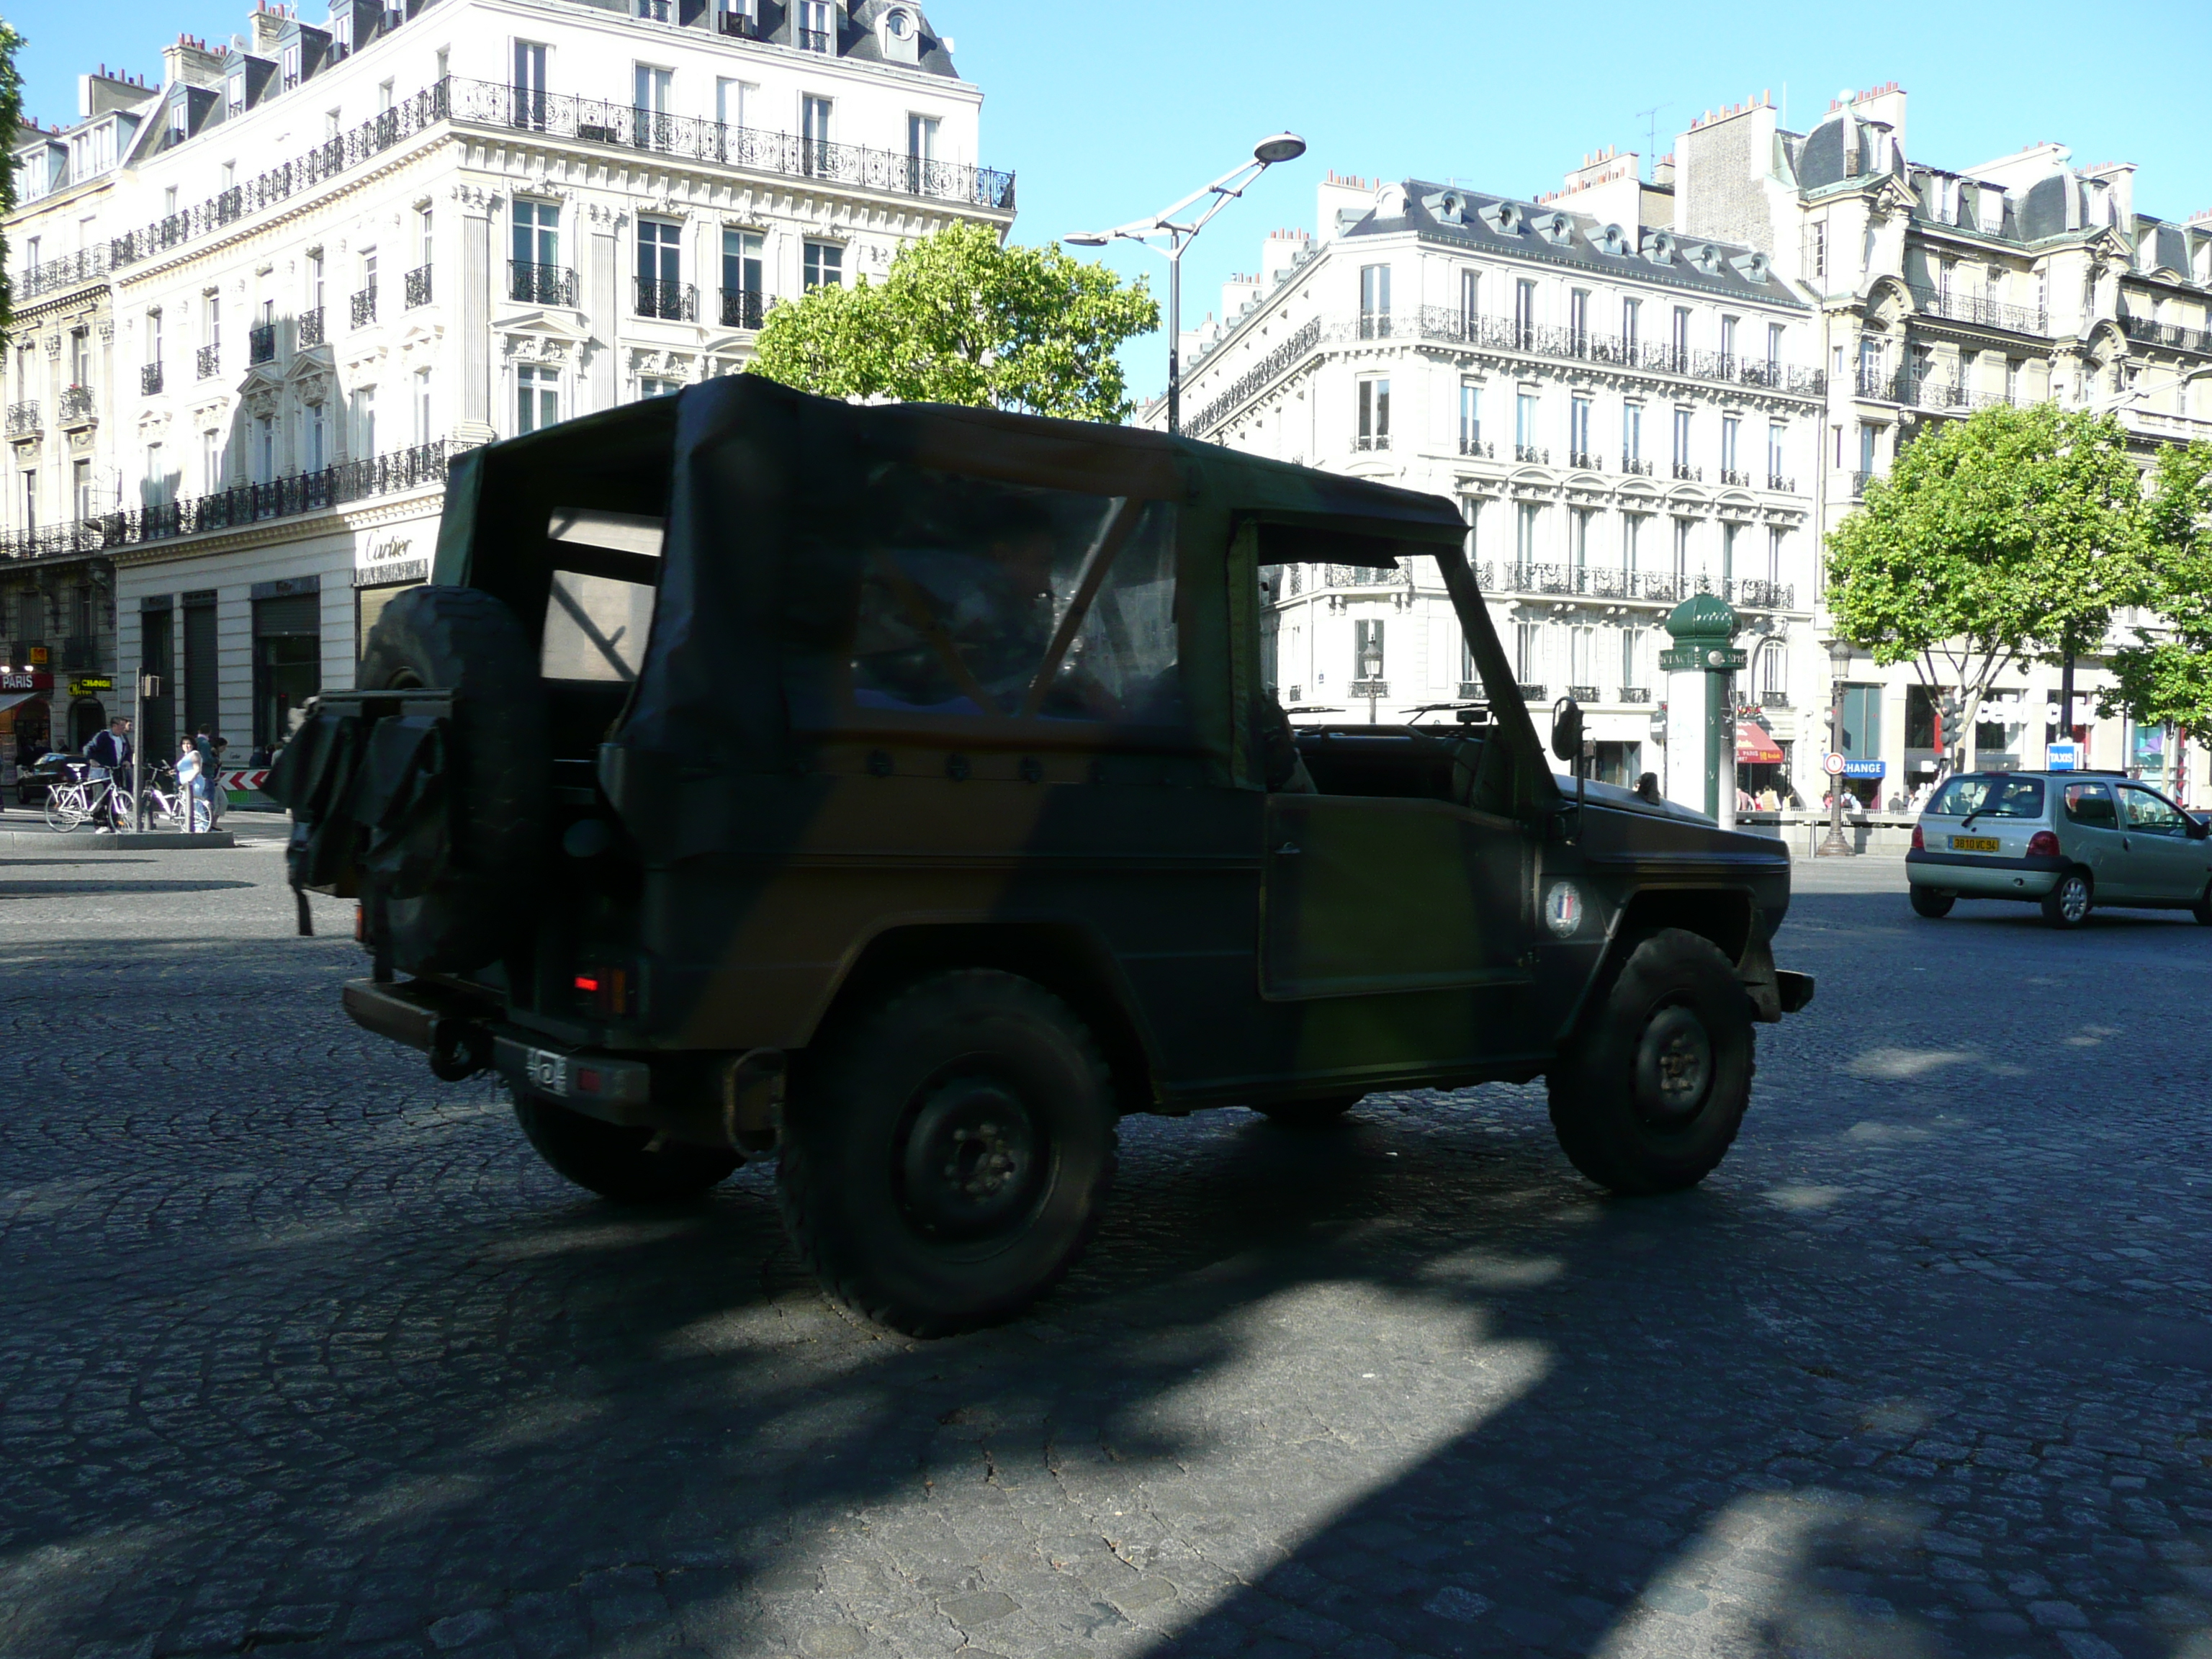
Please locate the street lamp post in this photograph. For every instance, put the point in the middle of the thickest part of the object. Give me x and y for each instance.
(1168, 227)
(1840, 662)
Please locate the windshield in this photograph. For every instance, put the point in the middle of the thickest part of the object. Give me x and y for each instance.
(1991, 796)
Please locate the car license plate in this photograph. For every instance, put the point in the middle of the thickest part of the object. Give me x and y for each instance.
(1973, 843)
(549, 1073)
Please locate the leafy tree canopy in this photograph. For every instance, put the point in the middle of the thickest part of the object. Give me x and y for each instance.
(11, 118)
(2010, 536)
(2165, 678)
(960, 319)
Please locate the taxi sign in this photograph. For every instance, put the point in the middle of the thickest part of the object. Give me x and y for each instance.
(2062, 757)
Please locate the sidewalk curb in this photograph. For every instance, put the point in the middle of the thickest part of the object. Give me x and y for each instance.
(129, 840)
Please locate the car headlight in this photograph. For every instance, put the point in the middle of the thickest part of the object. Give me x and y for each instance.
(1562, 909)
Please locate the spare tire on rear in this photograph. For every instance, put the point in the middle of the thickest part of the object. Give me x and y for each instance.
(496, 790)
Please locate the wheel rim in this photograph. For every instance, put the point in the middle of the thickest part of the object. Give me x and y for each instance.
(1673, 1068)
(971, 1160)
(2074, 899)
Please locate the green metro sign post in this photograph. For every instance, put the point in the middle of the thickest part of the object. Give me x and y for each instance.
(1700, 671)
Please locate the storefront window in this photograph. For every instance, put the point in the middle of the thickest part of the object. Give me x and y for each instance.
(287, 663)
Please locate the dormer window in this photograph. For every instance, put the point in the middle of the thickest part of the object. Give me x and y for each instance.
(817, 26)
(177, 120)
(291, 65)
(1502, 217)
(234, 92)
(901, 36)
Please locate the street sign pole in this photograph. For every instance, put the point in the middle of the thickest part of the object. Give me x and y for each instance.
(138, 750)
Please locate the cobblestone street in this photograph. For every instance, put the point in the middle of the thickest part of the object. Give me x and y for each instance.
(303, 1351)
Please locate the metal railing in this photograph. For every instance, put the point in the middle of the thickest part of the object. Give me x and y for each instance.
(1475, 447)
(1654, 587)
(1636, 694)
(243, 504)
(52, 275)
(22, 420)
(1259, 377)
(1731, 476)
(1635, 466)
(1786, 486)
(149, 378)
(1534, 452)
(1988, 313)
(675, 302)
(364, 307)
(1757, 594)
(1588, 459)
(1685, 471)
(76, 406)
(260, 343)
(653, 11)
(417, 284)
(1532, 692)
(1455, 327)
(1583, 693)
(543, 285)
(743, 308)
(1371, 440)
(488, 103)
(813, 40)
(209, 361)
(1857, 482)
(311, 328)
(2166, 334)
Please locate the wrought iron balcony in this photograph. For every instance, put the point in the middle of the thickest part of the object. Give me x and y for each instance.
(1531, 691)
(1470, 691)
(1635, 467)
(675, 302)
(542, 285)
(209, 361)
(1771, 698)
(1858, 482)
(1374, 325)
(1693, 474)
(260, 343)
(22, 420)
(364, 307)
(2166, 334)
(52, 275)
(1457, 327)
(77, 406)
(417, 285)
(1756, 594)
(1371, 440)
(653, 11)
(1588, 459)
(814, 40)
(1988, 313)
(149, 378)
(1476, 446)
(1256, 380)
(743, 307)
(1535, 452)
(311, 328)
(1636, 694)
(1776, 481)
(1730, 476)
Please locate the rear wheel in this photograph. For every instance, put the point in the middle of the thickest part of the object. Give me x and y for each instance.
(1652, 1088)
(2202, 909)
(618, 1163)
(1307, 1113)
(2068, 904)
(59, 817)
(1932, 902)
(945, 1162)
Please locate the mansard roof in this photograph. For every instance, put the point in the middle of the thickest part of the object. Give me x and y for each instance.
(1549, 234)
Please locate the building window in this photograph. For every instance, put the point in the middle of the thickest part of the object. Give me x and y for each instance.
(814, 118)
(653, 386)
(1525, 532)
(1470, 418)
(1374, 302)
(1683, 550)
(317, 439)
(1819, 260)
(744, 279)
(1632, 434)
(1727, 346)
(1682, 337)
(822, 265)
(424, 430)
(653, 93)
(1578, 526)
(1524, 312)
(1774, 533)
(537, 237)
(1631, 322)
(364, 416)
(1866, 447)
(1776, 437)
(1529, 653)
(734, 102)
(1578, 430)
(660, 269)
(1731, 426)
(537, 397)
(211, 478)
(529, 84)
(235, 92)
(1470, 300)
(1773, 353)
(816, 22)
(1631, 667)
(1729, 532)
(2012, 380)
(1681, 443)
(1374, 413)
(1632, 536)
(1578, 317)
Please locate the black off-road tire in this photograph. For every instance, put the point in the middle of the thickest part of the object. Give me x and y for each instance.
(2202, 909)
(946, 1154)
(1320, 1113)
(1932, 903)
(463, 639)
(2066, 906)
(612, 1161)
(1650, 1093)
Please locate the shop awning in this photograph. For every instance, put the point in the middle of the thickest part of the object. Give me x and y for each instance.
(10, 699)
(1755, 744)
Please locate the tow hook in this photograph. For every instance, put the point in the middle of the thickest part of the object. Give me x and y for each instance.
(460, 1049)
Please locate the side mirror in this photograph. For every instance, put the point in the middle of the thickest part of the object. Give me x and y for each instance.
(2199, 829)
(1567, 729)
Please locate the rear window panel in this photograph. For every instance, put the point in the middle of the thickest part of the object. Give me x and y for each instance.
(1990, 796)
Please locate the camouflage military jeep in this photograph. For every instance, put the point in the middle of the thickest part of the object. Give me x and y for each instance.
(896, 789)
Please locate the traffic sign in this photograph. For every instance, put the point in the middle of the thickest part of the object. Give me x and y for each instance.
(1834, 766)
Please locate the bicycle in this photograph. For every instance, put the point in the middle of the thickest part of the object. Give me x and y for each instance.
(81, 800)
(165, 805)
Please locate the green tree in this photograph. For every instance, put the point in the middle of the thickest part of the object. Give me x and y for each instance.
(960, 319)
(2010, 537)
(2165, 678)
(11, 119)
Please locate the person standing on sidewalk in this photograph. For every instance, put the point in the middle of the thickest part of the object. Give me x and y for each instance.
(108, 758)
(193, 786)
(210, 749)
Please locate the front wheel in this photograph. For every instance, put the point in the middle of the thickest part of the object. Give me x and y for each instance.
(1932, 903)
(2202, 909)
(2067, 905)
(60, 816)
(618, 1163)
(1650, 1091)
(945, 1161)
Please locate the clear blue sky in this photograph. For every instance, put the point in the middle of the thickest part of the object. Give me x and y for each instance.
(1109, 112)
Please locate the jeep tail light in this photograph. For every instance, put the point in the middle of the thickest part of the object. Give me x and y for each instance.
(2043, 844)
(608, 989)
(1919, 841)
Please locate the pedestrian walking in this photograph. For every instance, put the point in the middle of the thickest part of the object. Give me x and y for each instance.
(107, 758)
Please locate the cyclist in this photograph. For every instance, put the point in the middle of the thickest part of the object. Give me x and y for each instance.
(109, 755)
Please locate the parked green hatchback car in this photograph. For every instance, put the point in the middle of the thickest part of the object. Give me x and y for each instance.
(2067, 840)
